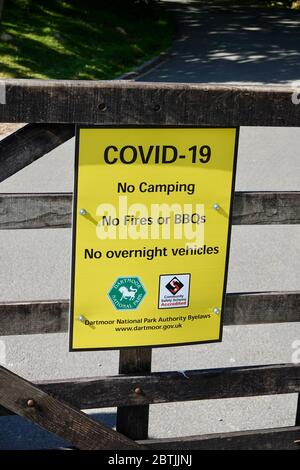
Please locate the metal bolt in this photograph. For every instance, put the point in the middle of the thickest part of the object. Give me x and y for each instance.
(216, 310)
(138, 391)
(81, 318)
(82, 212)
(102, 106)
(216, 207)
(30, 403)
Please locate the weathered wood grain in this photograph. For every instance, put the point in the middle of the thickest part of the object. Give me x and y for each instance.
(25, 399)
(263, 439)
(133, 421)
(263, 208)
(121, 102)
(175, 386)
(32, 211)
(167, 387)
(30, 143)
(17, 318)
(261, 308)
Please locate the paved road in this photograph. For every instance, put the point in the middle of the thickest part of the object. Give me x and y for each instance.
(36, 263)
(232, 44)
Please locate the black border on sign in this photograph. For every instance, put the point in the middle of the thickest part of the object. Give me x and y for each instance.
(78, 127)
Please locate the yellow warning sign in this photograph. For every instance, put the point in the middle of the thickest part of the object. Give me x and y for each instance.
(150, 235)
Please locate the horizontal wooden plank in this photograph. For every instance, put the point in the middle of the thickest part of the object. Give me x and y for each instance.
(54, 210)
(264, 439)
(261, 308)
(125, 102)
(78, 429)
(167, 387)
(17, 318)
(175, 386)
(35, 211)
(264, 208)
(30, 143)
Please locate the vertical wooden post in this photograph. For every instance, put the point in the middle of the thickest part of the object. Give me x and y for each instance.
(1, 8)
(133, 421)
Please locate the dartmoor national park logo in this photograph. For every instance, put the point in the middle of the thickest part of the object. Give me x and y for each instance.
(127, 293)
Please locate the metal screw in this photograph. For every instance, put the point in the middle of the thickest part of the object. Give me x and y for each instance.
(216, 207)
(216, 310)
(81, 318)
(138, 391)
(30, 403)
(82, 212)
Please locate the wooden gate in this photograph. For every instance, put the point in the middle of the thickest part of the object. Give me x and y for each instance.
(53, 107)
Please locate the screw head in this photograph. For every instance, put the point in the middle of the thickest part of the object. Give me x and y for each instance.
(138, 391)
(30, 403)
(82, 212)
(216, 207)
(81, 318)
(216, 310)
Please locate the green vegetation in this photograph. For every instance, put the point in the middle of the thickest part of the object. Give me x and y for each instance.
(80, 39)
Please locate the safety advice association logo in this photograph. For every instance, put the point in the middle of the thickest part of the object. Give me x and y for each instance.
(127, 293)
(174, 290)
